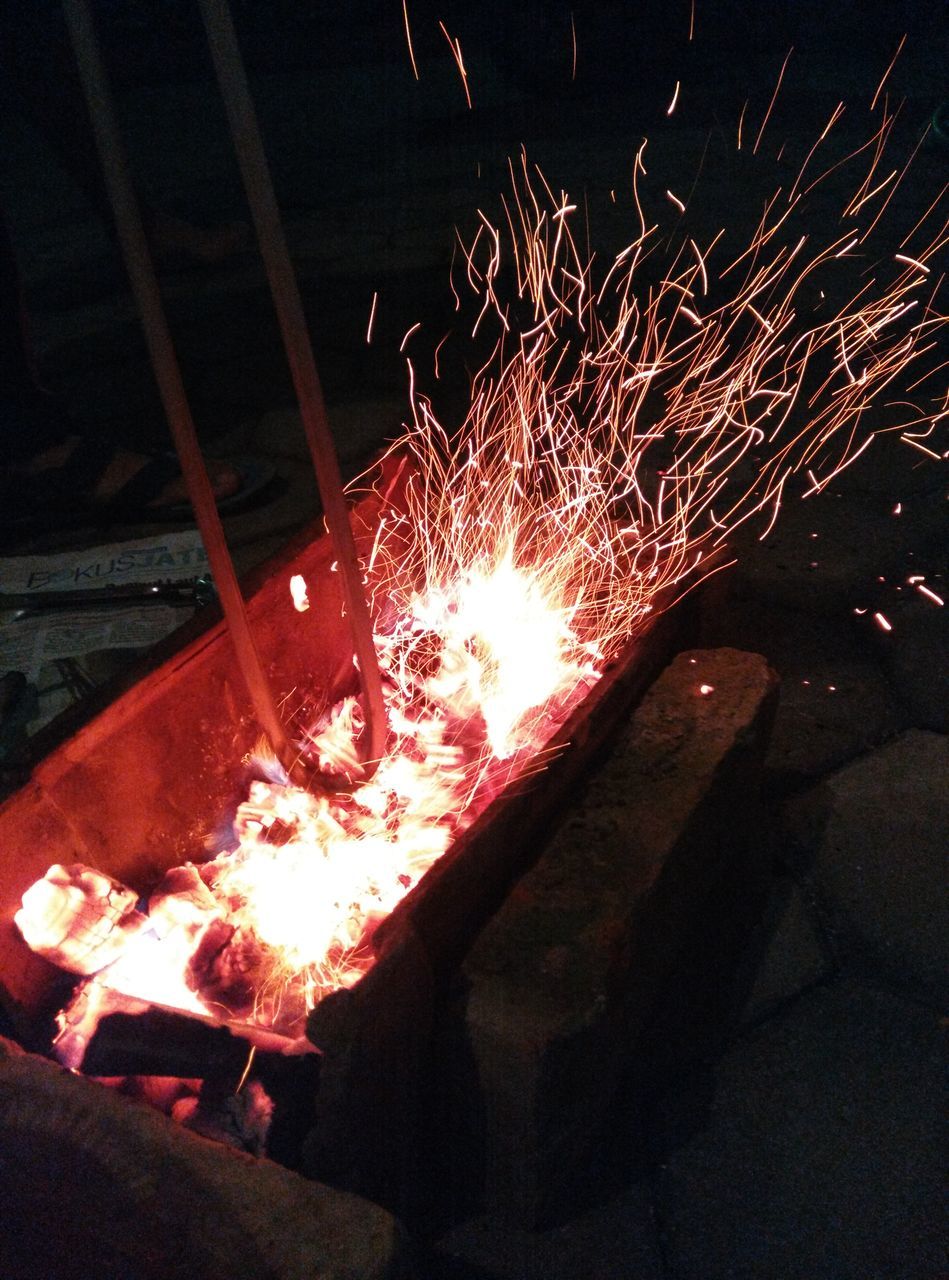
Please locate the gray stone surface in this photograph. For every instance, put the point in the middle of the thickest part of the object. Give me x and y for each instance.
(565, 974)
(836, 702)
(794, 955)
(827, 554)
(95, 1184)
(874, 837)
(617, 1239)
(916, 656)
(820, 1159)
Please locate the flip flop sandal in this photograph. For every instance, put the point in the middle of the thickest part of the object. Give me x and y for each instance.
(133, 501)
(62, 497)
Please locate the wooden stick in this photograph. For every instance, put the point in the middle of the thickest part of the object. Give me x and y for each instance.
(283, 286)
(165, 365)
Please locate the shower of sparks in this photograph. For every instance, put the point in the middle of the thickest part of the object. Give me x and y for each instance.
(628, 417)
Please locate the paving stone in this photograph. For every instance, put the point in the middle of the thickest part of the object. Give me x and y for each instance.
(563, 978)
(618, 1239)
(873, 838)
(794, 955)
(820, 1158)
(916, 655)
(836, 702)
(826, 554)
(96, 1184)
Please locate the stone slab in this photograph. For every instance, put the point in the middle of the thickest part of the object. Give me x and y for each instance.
(566, 974)
(836, 701)
(795, 956)
(821, 1156)
(93, 1183)
(873, 838)
(616, 1239)
(916, 656)
(829, 554)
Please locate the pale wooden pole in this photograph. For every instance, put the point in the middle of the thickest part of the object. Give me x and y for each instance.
(138, 263)
(289, 308)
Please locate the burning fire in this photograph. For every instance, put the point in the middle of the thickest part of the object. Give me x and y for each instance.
(627, 420)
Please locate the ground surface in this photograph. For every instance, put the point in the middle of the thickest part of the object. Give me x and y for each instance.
(807, 1147)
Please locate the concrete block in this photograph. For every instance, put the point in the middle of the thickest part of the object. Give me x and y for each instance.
(827, 554)
(93, 1183)
(916, 655)
(873, 838)
(616, 1239)
(821, 1156)
(836, 702)
(564, 978)
(794, 955)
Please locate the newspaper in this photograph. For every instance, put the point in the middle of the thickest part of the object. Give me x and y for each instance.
(172, 557)
(32, 639)
(30, 643)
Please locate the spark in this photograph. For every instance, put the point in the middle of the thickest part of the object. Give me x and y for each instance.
(247, 1066)
(706, 689)
(930, 595)
(774, 98)
(675, 98)
(741, 121)
(676, 201)
(408, 37)
(913, 262)
(930, 453)
(573, 44)
(455, 46)
(882, 622)
(408, 333)
(886, 73)
(437, 351)
(372, 317)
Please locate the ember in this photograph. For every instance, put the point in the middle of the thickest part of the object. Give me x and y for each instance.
(617, 435)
